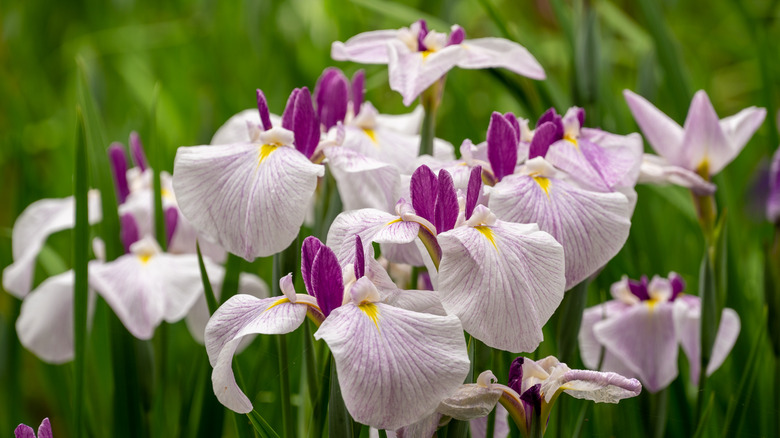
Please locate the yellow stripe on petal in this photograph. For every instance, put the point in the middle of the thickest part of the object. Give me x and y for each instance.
(372, 311)
(394, 221)
(265, 151)
(372, 135)
(544, 183)
(144, 258)
(276, 303)
(571, 139)
(426, 53)
(488, 233)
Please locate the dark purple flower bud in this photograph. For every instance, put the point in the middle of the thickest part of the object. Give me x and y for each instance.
(326, 280)
(678, 285)
(360, 258)
(300, 118)
(128, 231)
(501, 146)
(311, 246)
(456, 36)
(421, 36)
(137, 151)
(262, 107)
(515, 379)
(639, 288)
(544, 136)
(423, 188)
(331, 95)
(472, 191)
(358, 90)
(116, 155)
(171, 220)
(532, 402)
(446, 212)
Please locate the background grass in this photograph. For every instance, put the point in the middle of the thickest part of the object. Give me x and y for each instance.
(209, 57)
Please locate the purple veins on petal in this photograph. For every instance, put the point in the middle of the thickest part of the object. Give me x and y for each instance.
(446, 212)
(262, 108)
(473, 189)
(360, 258)
(358, 90)
(326, 280)
(137, 151)
(24, 431)
(128, 231)
(171, 220)
(501, 146)
(311, 246)
(116, 154)
(544, 135)
(331, 95)
(515, 378)
(639, 288)
(456, 36)
(423, 189)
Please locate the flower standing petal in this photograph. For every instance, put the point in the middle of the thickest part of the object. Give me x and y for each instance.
(664, 134)
(497, 52)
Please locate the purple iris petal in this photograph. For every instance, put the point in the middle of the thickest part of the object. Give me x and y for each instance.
(456, 36)
(137, 151)
(472, 192)
(116, 154)
(306, 126)
(326, 280)
(358, 90)
(501, 146)
(262, 107)
(289, 110)
(532, 402)
(360, 258)
(515, 124)
(678, 285)
(446, 212)
(331, 95)
(311, 246)
(515, 379)
(581, 116)
(171, 220)
(639, 288)
(128, 231)
(423, 189)
(421, 36)
(544, 136)
(551, 116)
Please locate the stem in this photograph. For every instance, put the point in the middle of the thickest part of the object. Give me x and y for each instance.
(340, 424)
(659, 403)
(211, 300)
(430, 99)
(80, 257)
(284, 262)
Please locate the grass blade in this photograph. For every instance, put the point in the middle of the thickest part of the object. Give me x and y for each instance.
(569, 320)
(157, 165)
(211, 300)
(261, 426)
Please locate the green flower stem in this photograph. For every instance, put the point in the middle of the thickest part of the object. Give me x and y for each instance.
(283, 263)
(430, 100)
(81, 259)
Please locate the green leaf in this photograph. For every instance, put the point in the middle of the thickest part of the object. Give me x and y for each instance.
(340, 423)
(569, 320)
(405, 15)
(261, 426)
(157, 164)
(211, 300)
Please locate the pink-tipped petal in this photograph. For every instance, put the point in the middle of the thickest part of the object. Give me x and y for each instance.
(503, 281)
(498, 52)
(394, 366)
(251, 200)
(663, 133)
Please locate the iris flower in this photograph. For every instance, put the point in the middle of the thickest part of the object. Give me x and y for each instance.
(417, 57)
(25, 431)
(570, 184)
(638, 332)
(252, 197)
(691, 154)
(394, 365)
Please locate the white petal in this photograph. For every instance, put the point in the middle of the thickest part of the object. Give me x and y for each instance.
(235, 129)
(252, 205)
(591, 226)
(45, 324)
(371, 225)
(408, 123)
(363, 182)
(365, 48)
(598, 386)
(478, 426)
(411, 73)
(497, 52)
(704, 141)
(503, 282)
(36, 223)
(395, 367)
(591, 350)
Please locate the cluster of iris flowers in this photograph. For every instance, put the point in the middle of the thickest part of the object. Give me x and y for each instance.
(434, 250)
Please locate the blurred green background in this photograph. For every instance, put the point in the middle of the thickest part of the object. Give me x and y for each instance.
(209, 57)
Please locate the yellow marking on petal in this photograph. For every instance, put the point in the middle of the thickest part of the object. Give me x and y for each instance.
(544, 183)
(426, 53)
(651, 303)
(265, 151)
(394, 221)
(144, 258)
(165, 193)
(571, 139)
(371, 310)
(488, 233)
(277, 302)
(372, 135)
(703, 169)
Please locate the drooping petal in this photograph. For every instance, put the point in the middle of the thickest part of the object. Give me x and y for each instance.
(656, 170)
(239, 316)
(687, 321)
(372, 226)
(644, 339)
(624, 155)
(36, 223)
(364, 48)
(503, 282)
(591, 226)
(704, 143)
(363, 182)
(663, 133)
(411, 73)
(425, 301)
(498, 52)
(591, 350)
(394, 366)
(599, 386)
(478, 426)
(45, 323)
(251, 199)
